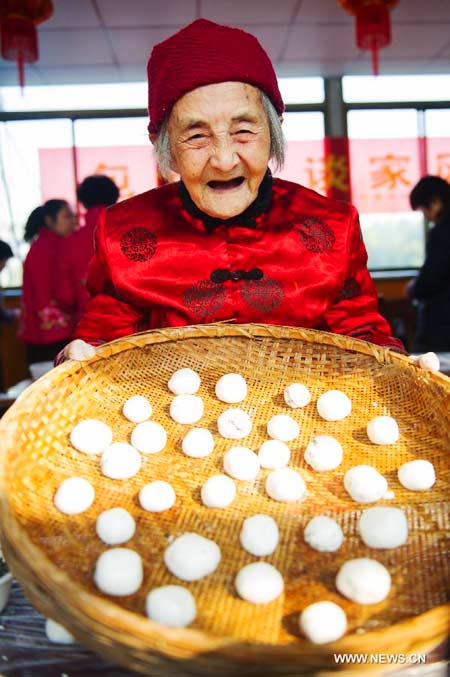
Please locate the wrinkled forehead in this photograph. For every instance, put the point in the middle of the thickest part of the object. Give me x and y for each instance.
(224, 102)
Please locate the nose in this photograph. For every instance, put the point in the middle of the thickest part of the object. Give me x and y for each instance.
(224, 156)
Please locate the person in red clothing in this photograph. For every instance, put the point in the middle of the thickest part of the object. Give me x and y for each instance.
(95, 193)
(44, 326)
(228, 241)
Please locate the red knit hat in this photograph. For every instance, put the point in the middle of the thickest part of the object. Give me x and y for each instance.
(204, 53)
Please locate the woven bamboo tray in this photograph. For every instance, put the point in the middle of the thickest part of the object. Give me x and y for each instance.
(53, 555)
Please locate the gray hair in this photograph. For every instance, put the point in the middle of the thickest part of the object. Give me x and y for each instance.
(277, 154)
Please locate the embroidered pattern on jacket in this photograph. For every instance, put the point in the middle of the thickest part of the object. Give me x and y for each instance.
(204, 298)
(316, 236)
(264, 295)
(52, 317)
(138, 244)
(350, 289)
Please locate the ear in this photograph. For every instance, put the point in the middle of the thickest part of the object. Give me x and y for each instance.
(152, 138)
(281, 118)
(49, 222)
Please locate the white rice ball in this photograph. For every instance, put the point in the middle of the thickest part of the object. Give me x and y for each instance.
(234, 424)
(259, 583)
(418, 475)
(57, 633)
(118, 572)
(231, 388)
(382, 527)
(171, 605)
(191, 557)
(334, 405)
(282, 427)
(91, 436)
(74, 495)
(365, 484)
(115, 526)
(259, 535)
(184, 382)
(323, 453)
(186, 408)
(285, 484)
(137, 409)
(157, 496)
(241, 463)
(149, 437)
(364, 581)
(120, 461)
(297, 395)
(218, 491)
(383, 430)
(323, 622)
(323, 534)
(274, 454)
(198, 443)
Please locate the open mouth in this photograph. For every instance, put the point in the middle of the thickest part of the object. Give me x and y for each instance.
(226, 185)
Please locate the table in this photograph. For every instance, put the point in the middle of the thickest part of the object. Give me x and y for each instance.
(26, 652)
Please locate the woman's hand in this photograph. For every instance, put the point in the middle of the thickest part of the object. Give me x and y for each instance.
(79, 350)
(75, 350)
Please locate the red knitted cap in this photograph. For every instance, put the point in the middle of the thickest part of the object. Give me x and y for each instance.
(205, 53)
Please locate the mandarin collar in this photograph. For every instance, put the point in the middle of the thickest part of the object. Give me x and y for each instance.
(246, 219)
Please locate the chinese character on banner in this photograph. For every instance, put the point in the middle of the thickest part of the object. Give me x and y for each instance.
(443, 165)
(383, 171)
(119, 174)
(337, 173)
(337, 168)
(389, 171)
(132, 168)
(305, 164)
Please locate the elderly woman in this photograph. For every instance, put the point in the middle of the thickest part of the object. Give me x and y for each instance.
(228, 242)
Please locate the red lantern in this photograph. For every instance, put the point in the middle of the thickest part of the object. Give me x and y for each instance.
(373, 24)
(18, 20)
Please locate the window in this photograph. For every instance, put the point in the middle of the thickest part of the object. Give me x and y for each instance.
(304, 133)
(22, 180)
(437, 128)
(385, 165)
(119, 148)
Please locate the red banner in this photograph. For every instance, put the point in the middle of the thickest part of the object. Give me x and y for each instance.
(383, 171)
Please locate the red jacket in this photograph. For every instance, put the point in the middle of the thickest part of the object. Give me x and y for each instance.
(76, 252)
(42, 320)
(154, 261)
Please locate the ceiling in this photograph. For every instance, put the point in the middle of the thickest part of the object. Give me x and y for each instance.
(93, 41)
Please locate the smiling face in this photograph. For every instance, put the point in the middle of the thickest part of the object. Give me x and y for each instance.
(220, 145)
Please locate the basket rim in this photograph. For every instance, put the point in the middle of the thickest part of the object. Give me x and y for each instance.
(137, 629)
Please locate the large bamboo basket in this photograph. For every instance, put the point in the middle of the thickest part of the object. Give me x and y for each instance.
(53, 555)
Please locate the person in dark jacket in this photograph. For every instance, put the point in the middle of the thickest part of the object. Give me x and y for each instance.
(431, 288)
